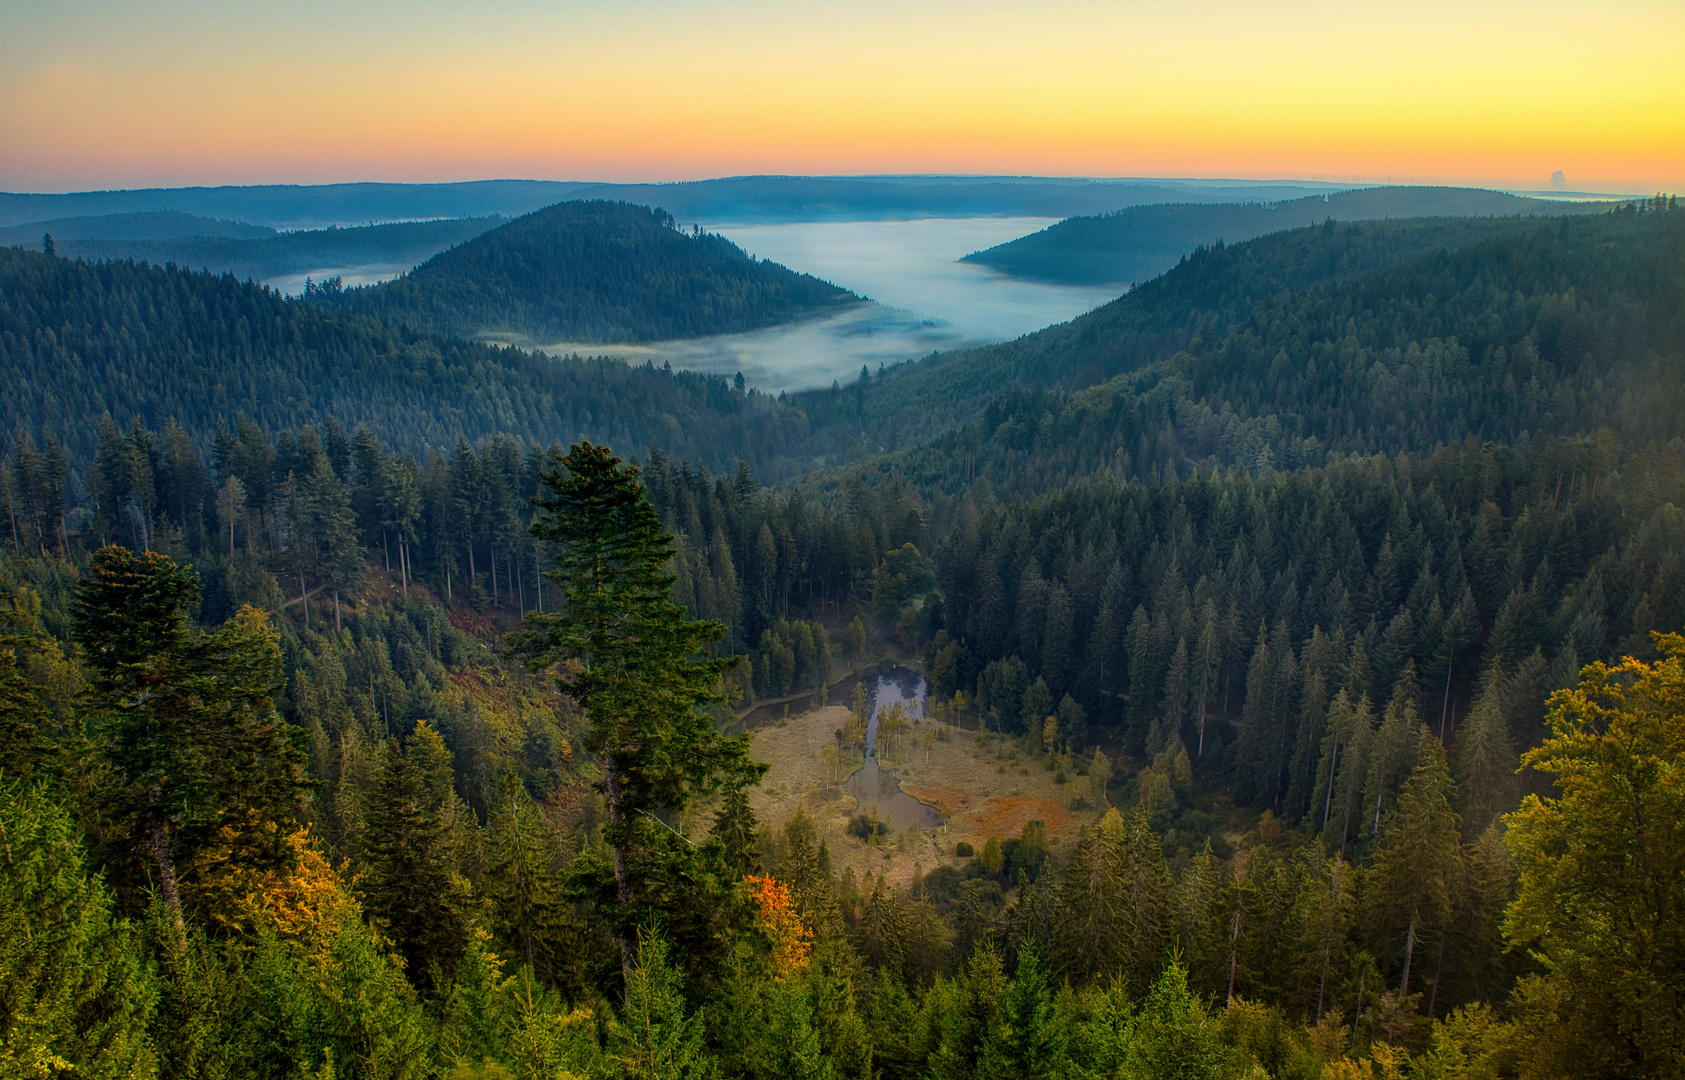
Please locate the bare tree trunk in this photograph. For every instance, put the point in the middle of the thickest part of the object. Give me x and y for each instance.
(1328, 802)
(336, 627)
(166, 870)
(1438, 966)
(1409, 948)
(1445, 704)
(1234, 951)
(304, 598)
(622, 888)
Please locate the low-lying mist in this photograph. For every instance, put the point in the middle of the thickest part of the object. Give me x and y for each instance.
(924, 300)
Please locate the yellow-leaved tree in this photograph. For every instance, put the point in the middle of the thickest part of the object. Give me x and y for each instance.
(1602, 876)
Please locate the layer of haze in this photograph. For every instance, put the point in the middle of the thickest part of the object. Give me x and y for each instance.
(924, 300)
(110, 93)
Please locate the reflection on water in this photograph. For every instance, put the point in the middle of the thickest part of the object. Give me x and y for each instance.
(900, 686)
(879, 792)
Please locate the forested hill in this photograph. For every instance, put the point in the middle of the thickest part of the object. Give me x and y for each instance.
(1141, 242)
(1198, 299)
(1552, 330)
(80, 341)
(594, 272)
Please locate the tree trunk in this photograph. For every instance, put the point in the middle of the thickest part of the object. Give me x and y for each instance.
(1446, 703)
(1409, 948)
(167, 870)
(1438, 966)
(1234, 951)
(336, 627)
(622, 888)
(1328, 802)
(304, 598)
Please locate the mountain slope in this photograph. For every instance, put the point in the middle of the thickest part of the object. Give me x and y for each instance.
(1560, 330)
(1198, 299)
(1141, 242)
(82, 341)
(597, 272)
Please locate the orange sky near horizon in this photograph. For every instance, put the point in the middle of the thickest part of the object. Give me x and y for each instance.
(97, 94)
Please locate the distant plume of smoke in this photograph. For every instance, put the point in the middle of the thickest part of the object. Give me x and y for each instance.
(1558, 179)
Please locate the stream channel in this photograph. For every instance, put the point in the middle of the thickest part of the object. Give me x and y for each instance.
(880, 792)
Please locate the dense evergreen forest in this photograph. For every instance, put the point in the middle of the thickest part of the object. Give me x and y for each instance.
(307, 769)
(1554, 330)
(79, 341)
(1138, 243)
(1197, 302)
(592, 272)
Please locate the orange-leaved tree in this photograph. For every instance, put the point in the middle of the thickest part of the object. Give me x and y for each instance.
(783, 924)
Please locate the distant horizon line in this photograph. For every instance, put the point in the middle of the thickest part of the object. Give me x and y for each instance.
(1211, 181)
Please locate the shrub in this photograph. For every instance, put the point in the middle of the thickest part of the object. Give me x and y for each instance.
(865, 828)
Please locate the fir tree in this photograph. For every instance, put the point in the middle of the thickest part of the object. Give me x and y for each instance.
(642, 671)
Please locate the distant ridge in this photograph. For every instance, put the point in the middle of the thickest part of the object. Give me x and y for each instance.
(273, 257)
(734, 198)
(150, 225)
(593, 272)
(1139, 243)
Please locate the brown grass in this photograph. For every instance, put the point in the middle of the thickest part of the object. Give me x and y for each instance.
(959, 778)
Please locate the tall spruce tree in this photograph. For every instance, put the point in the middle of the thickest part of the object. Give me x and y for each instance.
(200, 753)
(639, 671)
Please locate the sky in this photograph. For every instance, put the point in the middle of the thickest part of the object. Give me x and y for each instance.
(104, 94)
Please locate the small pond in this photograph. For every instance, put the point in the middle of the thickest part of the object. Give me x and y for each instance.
(881, 792)
(897, 686)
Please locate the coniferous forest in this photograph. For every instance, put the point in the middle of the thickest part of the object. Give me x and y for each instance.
(377, 704)
(593, 272)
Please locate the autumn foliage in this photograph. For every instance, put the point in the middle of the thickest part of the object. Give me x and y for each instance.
(791, 936)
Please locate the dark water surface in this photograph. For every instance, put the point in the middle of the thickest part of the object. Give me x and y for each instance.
(880, 792)
(876, 790)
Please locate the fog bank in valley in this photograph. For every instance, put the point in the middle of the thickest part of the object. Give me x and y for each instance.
(924, 300)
